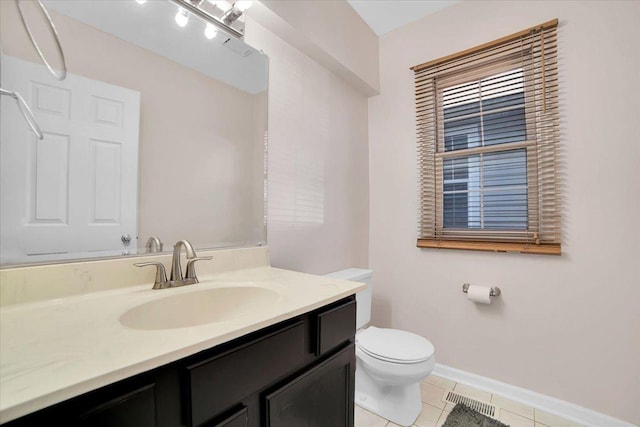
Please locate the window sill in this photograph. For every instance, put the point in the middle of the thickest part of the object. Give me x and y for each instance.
(527, 248)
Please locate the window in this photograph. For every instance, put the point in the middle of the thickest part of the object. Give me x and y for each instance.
(487, 126)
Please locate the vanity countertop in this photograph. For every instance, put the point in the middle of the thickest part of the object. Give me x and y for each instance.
(56, 349)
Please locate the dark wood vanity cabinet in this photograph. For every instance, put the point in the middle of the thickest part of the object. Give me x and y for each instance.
(300, 372)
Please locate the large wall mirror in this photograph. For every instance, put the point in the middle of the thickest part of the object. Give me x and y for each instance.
(158, 130)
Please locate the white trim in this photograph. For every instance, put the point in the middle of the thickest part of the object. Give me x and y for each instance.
(546, 403)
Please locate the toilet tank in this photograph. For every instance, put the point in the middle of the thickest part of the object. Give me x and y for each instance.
(363, 298)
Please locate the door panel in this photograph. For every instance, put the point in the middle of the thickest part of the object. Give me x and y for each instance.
(49, 180)
(105, 176)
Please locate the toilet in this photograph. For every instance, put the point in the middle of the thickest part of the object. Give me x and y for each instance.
(390, 363)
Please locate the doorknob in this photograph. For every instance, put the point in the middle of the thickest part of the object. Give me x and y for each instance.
(126, 239)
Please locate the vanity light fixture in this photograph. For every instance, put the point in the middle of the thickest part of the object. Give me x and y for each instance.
(210, 31)
(182, 17)
(220, 14)
(236, 11)
(141, 1)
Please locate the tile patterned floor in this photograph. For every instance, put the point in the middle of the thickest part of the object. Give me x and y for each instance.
(435, 411)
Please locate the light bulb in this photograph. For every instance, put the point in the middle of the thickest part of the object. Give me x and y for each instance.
(182, 17)
(210, 31)
(223, 5)
(242, 5)
(141, 1)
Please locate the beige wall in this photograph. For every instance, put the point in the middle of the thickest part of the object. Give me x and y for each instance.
(198, 143)
(318, 191)
(329, 31)
(567, 326)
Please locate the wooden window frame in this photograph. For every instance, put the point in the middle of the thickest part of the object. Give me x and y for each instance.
(482, 239)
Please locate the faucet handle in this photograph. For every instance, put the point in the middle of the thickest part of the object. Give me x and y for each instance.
(161, 274)
(191, 268)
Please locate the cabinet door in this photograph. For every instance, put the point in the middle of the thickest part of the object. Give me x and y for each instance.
(239, 418)
(134, 409)
(321, 397)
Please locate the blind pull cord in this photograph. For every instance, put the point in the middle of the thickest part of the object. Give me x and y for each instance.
(544, 74)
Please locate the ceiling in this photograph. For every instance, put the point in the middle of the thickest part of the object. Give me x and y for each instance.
(387, 15)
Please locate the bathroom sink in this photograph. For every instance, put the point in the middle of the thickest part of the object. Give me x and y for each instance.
(198, 308)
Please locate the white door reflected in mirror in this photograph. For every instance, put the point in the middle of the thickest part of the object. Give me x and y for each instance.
(79, 192)
(183, 160)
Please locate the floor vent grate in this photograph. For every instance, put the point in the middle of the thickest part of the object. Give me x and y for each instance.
(482, 407)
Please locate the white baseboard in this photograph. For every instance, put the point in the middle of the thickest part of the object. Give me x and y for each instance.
(546, 403)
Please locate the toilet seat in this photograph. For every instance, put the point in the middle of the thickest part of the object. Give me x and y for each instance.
(394, 346)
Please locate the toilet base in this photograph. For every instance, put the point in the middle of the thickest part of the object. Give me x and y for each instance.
(400, 404)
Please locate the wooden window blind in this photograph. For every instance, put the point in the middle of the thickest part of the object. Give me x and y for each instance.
(487, 131)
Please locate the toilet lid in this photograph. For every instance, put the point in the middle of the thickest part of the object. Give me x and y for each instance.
(394, 345)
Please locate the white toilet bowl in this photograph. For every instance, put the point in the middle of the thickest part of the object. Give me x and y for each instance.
(389, 367)
(389, 363)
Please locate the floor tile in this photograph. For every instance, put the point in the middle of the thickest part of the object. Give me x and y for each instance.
(541, 425)
(552, 420)
(514, 420)
(449, 406)
(432, 394)
(428, 416)
(364, 418)
(512, 406)
(440, 382)
(443, 418)
(472, 392)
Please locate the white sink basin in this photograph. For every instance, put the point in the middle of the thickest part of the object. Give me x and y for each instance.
(198, 308)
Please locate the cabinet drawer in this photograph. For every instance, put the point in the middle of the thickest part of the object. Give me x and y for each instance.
(335, 326)
(219, 383)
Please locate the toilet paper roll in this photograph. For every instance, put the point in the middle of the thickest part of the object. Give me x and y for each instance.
(480, 294)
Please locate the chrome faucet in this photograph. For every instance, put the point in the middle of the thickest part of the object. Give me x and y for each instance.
(154, 244)
(176, 270)
(176, 279)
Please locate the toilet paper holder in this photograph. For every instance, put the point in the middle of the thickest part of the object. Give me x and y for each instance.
(495, 291)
